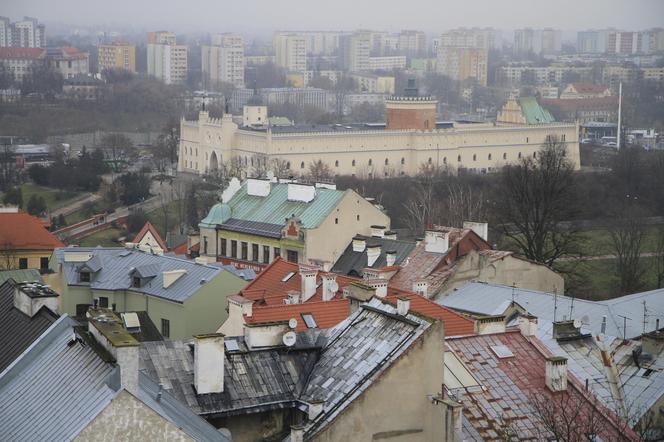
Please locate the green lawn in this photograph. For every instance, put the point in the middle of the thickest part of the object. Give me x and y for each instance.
(83, 213)
(104, 238)
(54, 198)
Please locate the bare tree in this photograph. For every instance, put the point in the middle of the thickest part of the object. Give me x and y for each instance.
(464, 204)
(532, 200)
(259, 166)
(627, 237)
(318, 170)
(7, 255)
(422, 208)
(280, 168)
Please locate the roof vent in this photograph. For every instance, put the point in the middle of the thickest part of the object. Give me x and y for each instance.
(258, 187)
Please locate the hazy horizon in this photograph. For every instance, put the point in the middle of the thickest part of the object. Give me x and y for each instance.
(262, 17)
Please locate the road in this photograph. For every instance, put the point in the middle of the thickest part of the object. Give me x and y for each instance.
(75, 205)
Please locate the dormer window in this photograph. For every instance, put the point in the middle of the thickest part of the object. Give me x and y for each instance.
(136, 281)
(84, 276)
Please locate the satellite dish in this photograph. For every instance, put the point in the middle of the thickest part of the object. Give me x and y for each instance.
(577, 323)
(334, 286)
(292, 323)
(289, 339)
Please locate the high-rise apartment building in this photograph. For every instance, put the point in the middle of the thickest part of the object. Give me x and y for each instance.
(551, 41)
(460, 63)
(167, 60)
(538, 41)
(592, 41)
(412, 43)
(223, 60)
(27, 33)
(354, 51)
(486, 38)
(621, 42)
(116, 55)
(290, 51)
(652, 40)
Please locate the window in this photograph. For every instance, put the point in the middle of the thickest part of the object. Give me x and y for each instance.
(165, 328)
(387, 161)
(526, 140)
(205, 244)
(358, 217)
(519, 154)
(291, 255)
(336, 220)
(245, 250)
(444, 160)
(309, 320)
(266, 254)
(103, 302)
(223, 247)
(277, 252)
(254, 252)
(429, 160)
(353, 163)
(23, 263)
(288, 165)
(504, 156)
(563, 138)
(489, 157)
(534, 154)
(84, 276)
(474, 157)
(459, 158)
(403, 161)
(302, 165)
(370, 161)
(43, 263)
(233, 249)
(336, 163)
(136, 281)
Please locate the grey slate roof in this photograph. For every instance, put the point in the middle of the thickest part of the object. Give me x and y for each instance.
(336, 366)
(493, 299)
(117, 265)
(24, 275)
(352, 263)
(53, 390)
(18, 330)
(253, 227)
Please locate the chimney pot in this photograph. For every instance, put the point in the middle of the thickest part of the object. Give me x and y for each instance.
(308, 282)
(330, 286)
(528, 325)
(421, 288)
(378, 231)
(30, 297)
(359, 244)
(297, 433)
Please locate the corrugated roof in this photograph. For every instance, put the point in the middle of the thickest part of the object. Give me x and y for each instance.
(117, 265)
(352, 263)
(276, 208)
(25, 275)
(18, 330)
(533, 112)
(20, 231)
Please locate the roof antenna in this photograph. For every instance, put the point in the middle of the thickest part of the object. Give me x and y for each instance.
(555, 303)
(571, 308)
(513, 290)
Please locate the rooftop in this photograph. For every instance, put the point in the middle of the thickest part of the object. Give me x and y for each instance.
(117, 265)
(352, 263)
(20, 231)
(533, 112)
(149, 228)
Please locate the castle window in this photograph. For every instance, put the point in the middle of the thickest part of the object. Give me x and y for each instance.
(519, 154)
(353, 163)
(403, 161)
(288, 165)
(336, 163)
(387, 161)
(534, 154)
(444, 160)
(302, 165)
(474, 157)
(504, 156)
(429, 160)
(459, 158)
(489, 157)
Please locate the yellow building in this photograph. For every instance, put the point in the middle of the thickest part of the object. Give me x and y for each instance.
(460, 63)
(25, 243)
(116, 56)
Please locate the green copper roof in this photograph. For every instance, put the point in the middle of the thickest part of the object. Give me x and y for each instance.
(26, 275)
(276, 208)
(534, 113)
(219, 213)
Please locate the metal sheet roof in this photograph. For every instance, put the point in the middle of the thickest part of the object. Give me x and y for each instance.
(352, 263)
(117, 266)
(26, 275)
(276, 208)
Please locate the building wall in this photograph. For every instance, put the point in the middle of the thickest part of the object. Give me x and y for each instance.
(461, 63)
(374, 416)
(127, 418)
(10, 259)
(353, 215)
(410, 115)
(116, 56)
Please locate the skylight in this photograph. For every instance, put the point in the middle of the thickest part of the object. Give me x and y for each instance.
(309, 320)
(231, 345)
(502, 351)
(287, 277)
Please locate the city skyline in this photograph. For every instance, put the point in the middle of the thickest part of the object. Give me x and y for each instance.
(261, 17)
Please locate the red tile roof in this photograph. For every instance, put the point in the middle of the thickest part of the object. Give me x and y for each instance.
(588, 88)
(148, 227)
(32, 53)
(268, 292)
(20, 231)
(182, 249)
(510, 385)
(578, 104)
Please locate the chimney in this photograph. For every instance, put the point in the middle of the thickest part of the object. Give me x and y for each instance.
(482, 229)
(301, 192)
(30, 297)
(652, 343)
(308, 282)
(170, 276)
(556, 373)
(567, 330)
(358, 293)
(297, 433)
(109, 331)
(403, 305)
(390, 234)
(490, 324)
(209, 363)
(528, 325)
(330, 286)
(436, 241)
(390, 257)
(315, 409)
(293, 297)
(359, 244)
(233, 186)
(257, 187)
(421, 288)
(373, 252)
(378, 231)
(453, 420)
(379, 285)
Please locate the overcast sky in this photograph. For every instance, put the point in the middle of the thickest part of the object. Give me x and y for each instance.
(268, 15)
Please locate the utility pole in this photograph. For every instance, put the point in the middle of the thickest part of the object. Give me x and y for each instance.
(619, 115)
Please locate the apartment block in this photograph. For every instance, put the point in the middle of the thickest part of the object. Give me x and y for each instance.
(167, 61)
(223, 60)
(116, 55)
(460, 63)
(486, 38)
(354, 51)
(412, 43)
(290, 51)
(26, 33)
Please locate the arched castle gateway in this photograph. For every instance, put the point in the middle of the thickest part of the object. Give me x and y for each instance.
(410, 138)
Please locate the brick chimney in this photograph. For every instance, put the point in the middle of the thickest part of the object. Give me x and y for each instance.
(330, 286)
(109, 331)
(373, 252)
(30, 297)
(556, 373)
(490, 324)
(209, 363)
(297, 433)
(308, 282)
(436, 241)
(379, 285)
(359, 244)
